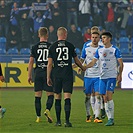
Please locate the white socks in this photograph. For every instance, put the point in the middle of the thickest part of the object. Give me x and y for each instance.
(97, 106)
(109, 108)
(87, 105)
(92, 101)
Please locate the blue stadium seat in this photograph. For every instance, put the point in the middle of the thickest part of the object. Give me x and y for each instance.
(3, 42)
(12, 51)
(114, 41)
(132, 42)
(24, 51)
(124, 39)
(2, 51)
(123, 33)
(125, 50)
(124, 42)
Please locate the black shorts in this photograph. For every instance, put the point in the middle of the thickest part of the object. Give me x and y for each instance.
(65, 84)
(40, 82)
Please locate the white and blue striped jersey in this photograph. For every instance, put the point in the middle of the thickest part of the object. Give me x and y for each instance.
(88, 53)
(108, 61)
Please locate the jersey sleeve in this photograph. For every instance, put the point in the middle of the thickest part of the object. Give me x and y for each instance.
(118, 53)
(83, 53)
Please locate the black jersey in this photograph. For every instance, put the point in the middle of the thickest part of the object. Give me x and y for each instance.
(40, 53)
(62, 53)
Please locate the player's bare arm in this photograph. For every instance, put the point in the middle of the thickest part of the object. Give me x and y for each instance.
(75, 66)
(79, 69)
(30, 67)
(79, 64)
(119, 76)
(92, 63)
(49, 69)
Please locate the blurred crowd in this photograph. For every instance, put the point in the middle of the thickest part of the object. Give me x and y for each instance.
(21, 19)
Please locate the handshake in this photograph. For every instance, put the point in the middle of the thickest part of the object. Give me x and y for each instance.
(80, 69)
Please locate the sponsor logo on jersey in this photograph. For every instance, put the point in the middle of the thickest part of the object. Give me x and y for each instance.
(110, 53)
(42, 65)
(62, 64)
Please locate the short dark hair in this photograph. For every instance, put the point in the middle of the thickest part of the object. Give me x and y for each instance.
(107, 33)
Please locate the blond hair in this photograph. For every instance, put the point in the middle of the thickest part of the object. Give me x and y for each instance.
(61, 31)
(43, 31)
(95, 29)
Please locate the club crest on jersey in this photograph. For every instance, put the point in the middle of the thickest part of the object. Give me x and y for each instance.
(104, 54)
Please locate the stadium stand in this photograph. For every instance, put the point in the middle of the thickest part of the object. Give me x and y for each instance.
(12, 51)
(24, 51)
(2, 51)
(2, 42)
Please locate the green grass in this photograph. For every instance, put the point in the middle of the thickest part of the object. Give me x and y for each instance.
(20, 114)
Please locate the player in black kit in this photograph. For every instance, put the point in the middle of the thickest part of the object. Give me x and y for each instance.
(39, 52)
(60, 60)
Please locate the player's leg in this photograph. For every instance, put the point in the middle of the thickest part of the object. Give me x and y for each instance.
(57, 94)
(110, 90)
(102, 87)
(50, 100)
(38, 96)
(49, 104)
(92, 101)
(103, 114)
(58, 109)
(87, 91)
(67, 108)
(97, 101)
(67, 88)
(38, 87)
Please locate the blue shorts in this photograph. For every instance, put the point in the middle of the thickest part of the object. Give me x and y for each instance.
(107, 85)
(91, 84)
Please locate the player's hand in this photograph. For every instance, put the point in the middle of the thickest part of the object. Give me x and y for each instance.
(79, 71)
(84, 68)
(2, 78)
(74, 65)
(30, 80)
(119, 78)
(49, 82)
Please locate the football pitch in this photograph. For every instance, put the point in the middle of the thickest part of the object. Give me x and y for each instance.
(20, 115)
